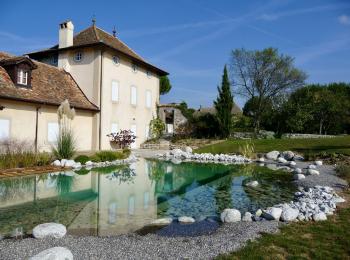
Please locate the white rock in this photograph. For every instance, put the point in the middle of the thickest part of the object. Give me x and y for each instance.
(338, 200)
(292, 164)
(312, 166)
(56, 163)
(299, 176)
(261, 159)
(247, 217)
(230, 215)
(318, 163)
(49, 230)
(272, 213)
(185, 219)
(319, 216)
(188, 149)
(252, 184)
(289, 214)
(313, 172)
(281, 160)
(162, 221)
(69, 163)
(63, 162)
(89, 163)
(77, 165)
(288, 155)
(54, 253)
(258, 213)
(272, 155)
(175, 161)
(298, 171)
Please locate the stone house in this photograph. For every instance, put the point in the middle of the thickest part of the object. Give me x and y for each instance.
(172, 116)
(110, 86)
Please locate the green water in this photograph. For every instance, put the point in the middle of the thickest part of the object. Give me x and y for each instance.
(123, 199)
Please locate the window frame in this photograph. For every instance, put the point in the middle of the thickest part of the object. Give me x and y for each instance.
(134, 67)
(131, 95)
(21, 75)
(114, 57)
(78, 54)
(116, 82)
(148, 92)
(48, 136)
(9, 128)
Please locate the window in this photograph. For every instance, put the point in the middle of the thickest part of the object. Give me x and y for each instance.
(115, 91)
(134, 67)
(52, 132)
(4, 128)
(131, 205)
(54, 60)
(78, 56)
(22, 77)
(116, 60)
(149, 74)
(148, 98)
(133, 99)
(112, 213)
(114, 128)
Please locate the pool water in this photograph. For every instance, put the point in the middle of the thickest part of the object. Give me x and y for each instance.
(122, 199)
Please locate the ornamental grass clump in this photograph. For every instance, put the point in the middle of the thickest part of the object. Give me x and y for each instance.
(65, 147)
(247, 149)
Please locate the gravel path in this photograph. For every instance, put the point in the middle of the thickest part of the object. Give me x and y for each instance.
(220, 240)
(228, 237)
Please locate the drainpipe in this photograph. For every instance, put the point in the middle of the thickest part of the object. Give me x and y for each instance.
(100, 119)
(36, 129)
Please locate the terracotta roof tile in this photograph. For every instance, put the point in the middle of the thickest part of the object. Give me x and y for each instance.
(49, 85)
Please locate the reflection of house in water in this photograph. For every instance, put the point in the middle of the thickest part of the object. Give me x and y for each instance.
(91, 204)
(171, 115)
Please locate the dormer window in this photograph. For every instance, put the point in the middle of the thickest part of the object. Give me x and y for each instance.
(22, 77)
(78, 56)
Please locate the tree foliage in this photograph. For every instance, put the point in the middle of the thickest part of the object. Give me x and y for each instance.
(164, 85)
(223, 105)
(263, 75)
(157, 127)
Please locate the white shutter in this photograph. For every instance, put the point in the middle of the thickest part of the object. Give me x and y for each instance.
(114, 128)
(4, 128)
(147, 131)
(115, 91)
(148, 98)
(133, 95)
(52, 132)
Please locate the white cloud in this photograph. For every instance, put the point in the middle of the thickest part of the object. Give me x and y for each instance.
(344, 19)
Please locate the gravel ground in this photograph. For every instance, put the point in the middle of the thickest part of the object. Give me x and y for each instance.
(181, 245)
(228, 237)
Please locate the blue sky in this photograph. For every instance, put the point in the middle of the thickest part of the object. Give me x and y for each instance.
(192, 39)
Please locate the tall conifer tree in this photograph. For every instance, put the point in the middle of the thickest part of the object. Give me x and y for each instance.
(224, 104)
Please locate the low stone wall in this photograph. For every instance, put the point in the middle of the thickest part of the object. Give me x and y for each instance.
(302, 136)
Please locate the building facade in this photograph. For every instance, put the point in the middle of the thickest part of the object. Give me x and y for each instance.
(122, 86)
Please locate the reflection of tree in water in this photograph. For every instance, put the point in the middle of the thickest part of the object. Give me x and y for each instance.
(64, 183)
(123, 173)
(223, 193)
(16, 187)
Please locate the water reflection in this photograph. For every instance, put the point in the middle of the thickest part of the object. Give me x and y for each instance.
(122, 199)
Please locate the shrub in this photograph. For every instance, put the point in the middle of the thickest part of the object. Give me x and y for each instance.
(65, 147)
(247, 149)
(82, 159)
(44, 159)
(82, 171)
(123, 139)
(157, 127)
(343, 171)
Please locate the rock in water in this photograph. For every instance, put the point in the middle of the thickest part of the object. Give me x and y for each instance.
(273, 155)
(185, 219)
(162, 221)
(319, 216)
(49, 230)
(272, 213)
(252, 184)
(289, 214)
(281, 160)
(288, 155)
(299, 176)
(54, 253)
(230, 215)
(247, 217)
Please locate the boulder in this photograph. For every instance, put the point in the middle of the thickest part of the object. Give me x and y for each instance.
(272, 213)
(252, 184)
(282, 160)
(162, 221)
(77, 165)
(63, 162)
(313, 172)
(230, 215)
(49, 230)
(258, 213)
(288, 155)
(175, 161)
(312, 166)
(289, 214)
(292, 164)
(273, 155)
(318, 163)
(298, 171)
(299, 176)
(248, 217)
(185, 219)
(56, 163)
(54, 253)
(261, 159)
(89, 163)
(188, 149)
(69, 163)
(321, 216)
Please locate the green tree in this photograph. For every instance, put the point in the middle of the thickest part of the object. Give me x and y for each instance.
(264, 75)
(224, 104)
(164, 85)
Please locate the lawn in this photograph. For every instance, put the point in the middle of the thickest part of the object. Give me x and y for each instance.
(307, 240)
(339, 145)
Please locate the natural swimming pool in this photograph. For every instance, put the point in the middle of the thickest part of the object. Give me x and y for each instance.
(122, 199)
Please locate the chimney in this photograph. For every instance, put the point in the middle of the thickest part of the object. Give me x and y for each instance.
(65, 36)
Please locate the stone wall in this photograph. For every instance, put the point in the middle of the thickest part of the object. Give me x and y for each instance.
(179, 118)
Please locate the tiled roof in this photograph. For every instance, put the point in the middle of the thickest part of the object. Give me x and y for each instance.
(211, 110)
(49, 85)
(94, 35)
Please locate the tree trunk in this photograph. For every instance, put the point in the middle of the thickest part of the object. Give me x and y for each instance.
(321, 125)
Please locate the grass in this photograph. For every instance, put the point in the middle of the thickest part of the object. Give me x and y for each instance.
(340, 145)
(304, 240)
